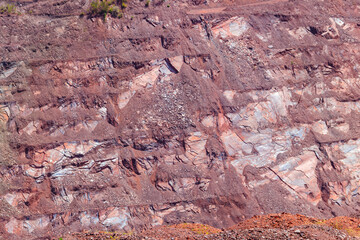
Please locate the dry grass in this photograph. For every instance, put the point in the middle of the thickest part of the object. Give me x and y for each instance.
(347, 224)
(197, 228)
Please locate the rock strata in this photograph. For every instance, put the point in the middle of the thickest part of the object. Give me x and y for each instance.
(183, 111)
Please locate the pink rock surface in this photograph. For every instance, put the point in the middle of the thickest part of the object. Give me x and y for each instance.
(203, 111)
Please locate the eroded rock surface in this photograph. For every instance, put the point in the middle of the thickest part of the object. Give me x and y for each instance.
(186, 111)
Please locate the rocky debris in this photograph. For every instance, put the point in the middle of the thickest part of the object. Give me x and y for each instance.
(308, 232)
(275, 226)
(175, 113)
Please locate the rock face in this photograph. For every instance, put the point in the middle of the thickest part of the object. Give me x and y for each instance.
(185, 111)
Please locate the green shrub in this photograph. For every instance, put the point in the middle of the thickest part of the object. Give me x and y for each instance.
(115, 11)
(8, 9)
(104, 7)
(147, 4)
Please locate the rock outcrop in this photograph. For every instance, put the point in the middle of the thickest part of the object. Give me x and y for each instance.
(183, 111)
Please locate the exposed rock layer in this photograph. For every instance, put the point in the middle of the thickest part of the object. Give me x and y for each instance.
(186, 111)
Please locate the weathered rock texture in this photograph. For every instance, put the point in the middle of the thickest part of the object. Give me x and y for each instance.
(185, 111)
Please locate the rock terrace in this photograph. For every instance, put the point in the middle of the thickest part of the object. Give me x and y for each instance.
(183, 111)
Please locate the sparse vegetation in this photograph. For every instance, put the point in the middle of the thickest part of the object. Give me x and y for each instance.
(112, 235)
(147, 4)
(349, 225)
(104, 8)
(8, 9)
(197, 228)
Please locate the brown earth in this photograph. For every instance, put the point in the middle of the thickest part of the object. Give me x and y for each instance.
(205, 111)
